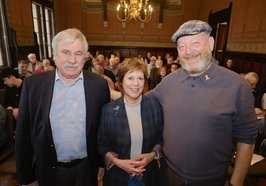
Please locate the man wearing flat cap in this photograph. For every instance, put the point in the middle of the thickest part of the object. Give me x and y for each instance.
(206, 109)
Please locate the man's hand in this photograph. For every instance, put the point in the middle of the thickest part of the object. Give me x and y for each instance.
(146, 158)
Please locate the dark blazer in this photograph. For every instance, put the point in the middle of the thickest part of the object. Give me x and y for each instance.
(114, 136)
(35, 152)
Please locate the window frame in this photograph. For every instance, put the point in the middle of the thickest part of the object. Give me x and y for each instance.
(5, 59)
(44, 29)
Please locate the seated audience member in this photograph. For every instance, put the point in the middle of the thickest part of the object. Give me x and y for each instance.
(88, 61)
(117, 60)
(130, 131)
(13, 90)
(252, 79)
(46, 66)
(34, 64)
(95, 61)
(140, 58)
(168, 64)
(101, 60)
(100, 70)
(154, 78)
(166, 57)
(112, 66)
(23, 69)
(174, 67)
(151, 64)
(230, 65)
(3, 133)
(162, 74)
(147, 59)
(242, 75)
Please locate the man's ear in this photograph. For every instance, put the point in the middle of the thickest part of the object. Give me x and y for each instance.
(211, 42)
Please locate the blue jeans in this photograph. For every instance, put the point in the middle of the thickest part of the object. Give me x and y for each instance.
(136, 181)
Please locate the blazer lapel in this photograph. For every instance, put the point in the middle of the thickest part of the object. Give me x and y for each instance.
(47, 95)
(89, 92)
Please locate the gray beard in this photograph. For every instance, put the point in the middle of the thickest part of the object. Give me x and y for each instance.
(201, 67)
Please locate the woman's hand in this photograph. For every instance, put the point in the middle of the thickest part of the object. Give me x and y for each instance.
(145, 159)
(132, 167)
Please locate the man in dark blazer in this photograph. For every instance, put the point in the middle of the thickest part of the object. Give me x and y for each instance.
(58, 121)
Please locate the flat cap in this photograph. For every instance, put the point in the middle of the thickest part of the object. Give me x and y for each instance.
(191, 27)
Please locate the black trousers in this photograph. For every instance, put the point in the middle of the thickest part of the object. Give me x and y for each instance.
(74, 176)
(170, 178)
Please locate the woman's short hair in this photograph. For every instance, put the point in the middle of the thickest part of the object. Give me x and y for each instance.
(68, 36)
(130, 65)
(31, 55)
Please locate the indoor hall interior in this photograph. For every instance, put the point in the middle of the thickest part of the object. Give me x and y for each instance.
(28, 26)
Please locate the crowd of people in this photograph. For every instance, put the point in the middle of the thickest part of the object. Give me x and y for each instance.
(137, 121)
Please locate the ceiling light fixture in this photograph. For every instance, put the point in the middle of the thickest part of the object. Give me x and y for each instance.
(138, 10)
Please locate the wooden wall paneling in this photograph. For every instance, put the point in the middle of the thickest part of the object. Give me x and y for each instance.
(60, 15)
(15, 13)
(240, 66)
(74, 7)
(247, 66)
(257, 67)
(252, 23)
(246, 62)
(114, 26)
(263, 71)
(132, 51)
(238, 17)
(26, 8)
(246, 30)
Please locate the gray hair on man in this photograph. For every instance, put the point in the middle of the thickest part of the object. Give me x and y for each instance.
(68, 36)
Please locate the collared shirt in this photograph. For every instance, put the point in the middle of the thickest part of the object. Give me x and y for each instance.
(68, 119)
(201, 117)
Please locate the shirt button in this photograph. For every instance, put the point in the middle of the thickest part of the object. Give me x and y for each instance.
(53, 167)
(51, 145)
(193, 85)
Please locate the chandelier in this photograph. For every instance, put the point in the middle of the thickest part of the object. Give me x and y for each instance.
(134, 10)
